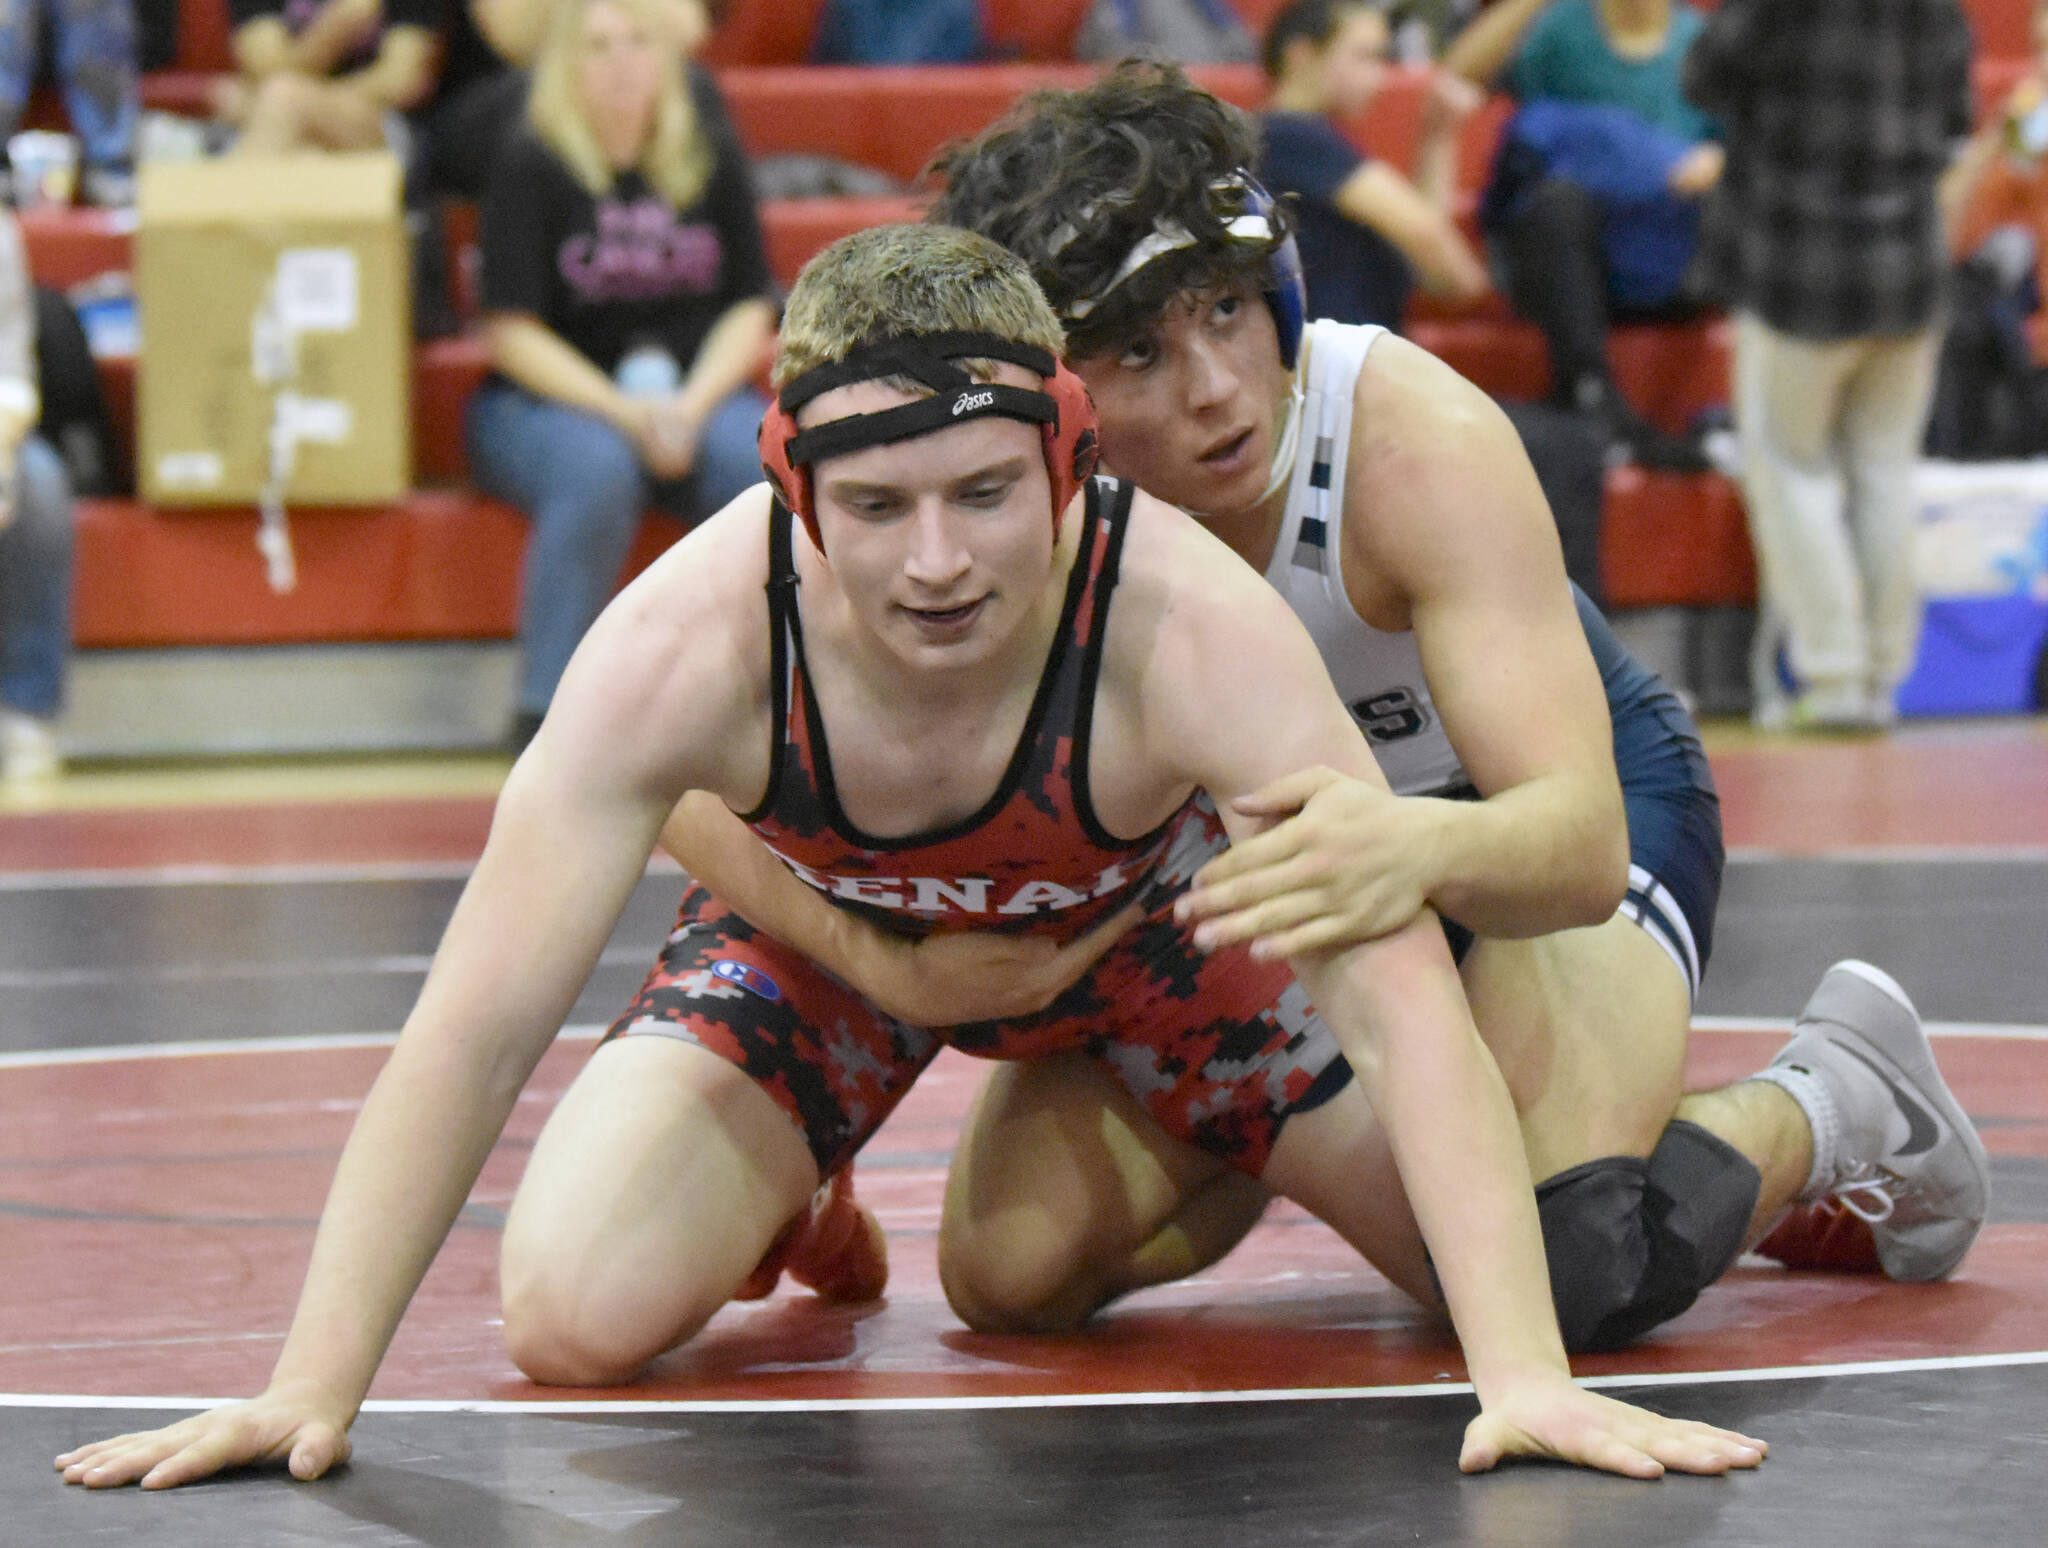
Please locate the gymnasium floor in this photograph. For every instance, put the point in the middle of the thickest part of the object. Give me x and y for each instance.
(200, 970)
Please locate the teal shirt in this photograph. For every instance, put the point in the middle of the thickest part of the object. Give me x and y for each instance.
(1566, 56)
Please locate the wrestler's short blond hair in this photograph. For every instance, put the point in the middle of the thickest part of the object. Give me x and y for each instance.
(908, 279)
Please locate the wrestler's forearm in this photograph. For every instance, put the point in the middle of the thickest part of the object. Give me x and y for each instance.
(1400, 1015)
(723, 854)
(424, 1132)
(1548, 854)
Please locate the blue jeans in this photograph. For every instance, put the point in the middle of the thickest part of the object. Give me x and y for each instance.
(35, 584)
(95, 57)
(579, 479)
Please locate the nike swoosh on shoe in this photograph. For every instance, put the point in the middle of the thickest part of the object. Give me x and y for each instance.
(1923, 1132)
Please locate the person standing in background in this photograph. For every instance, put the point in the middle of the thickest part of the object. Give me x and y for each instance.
(627, 305)
(35, 542)
(1839, 118)
(96, 60)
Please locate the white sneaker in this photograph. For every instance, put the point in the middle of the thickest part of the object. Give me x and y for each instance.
(1890, 1141)
(1837, 707)
(28, 749)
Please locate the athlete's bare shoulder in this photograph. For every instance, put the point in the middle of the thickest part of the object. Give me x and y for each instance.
(1436, 474)
(1208, 677)
(674, 674)
(1189, 611)
(1413, 413)
(1177, 572)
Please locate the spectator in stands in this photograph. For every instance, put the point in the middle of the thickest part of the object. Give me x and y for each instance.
(626, 295)
(95, 56)
(1840, 119)
(1991, 396)
(328, 74)
(480, 98)
(1591, 212)
(1366, 233)
(35, 541)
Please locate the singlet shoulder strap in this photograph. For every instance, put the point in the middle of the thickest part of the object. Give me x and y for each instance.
(1109, 523)
(1311, 534)
(782, 652)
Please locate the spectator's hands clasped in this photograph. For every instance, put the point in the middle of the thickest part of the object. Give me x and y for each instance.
(667, 434)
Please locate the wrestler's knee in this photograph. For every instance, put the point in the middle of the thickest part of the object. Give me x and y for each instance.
(1017, 1277)
(1631, 1242)
(570, 1324)
(562, 1339)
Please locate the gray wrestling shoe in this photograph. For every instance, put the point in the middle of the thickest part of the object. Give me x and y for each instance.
(1890, 1141)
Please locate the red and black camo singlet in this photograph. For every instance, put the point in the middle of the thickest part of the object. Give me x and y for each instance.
(1034, 859)
(1222, 1050)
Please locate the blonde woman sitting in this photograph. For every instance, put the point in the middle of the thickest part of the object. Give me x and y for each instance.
(626, 296)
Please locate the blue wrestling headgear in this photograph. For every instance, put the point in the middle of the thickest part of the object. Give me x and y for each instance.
(1286, 289)
(1249, 214)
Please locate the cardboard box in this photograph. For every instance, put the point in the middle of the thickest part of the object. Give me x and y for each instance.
(274, 296)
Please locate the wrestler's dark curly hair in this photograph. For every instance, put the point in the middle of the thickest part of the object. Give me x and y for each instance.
(1140, 145)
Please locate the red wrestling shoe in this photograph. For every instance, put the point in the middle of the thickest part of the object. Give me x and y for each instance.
(1827, 1235)
(837, 1249)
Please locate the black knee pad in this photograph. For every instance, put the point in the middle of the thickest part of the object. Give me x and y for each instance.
(1633, 1242)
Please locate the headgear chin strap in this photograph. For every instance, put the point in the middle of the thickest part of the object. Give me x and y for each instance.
(1062, 412)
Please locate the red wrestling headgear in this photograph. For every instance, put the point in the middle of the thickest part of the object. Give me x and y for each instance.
(1063, 413)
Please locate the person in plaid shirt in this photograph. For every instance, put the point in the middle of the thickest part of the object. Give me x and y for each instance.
(1839, 118)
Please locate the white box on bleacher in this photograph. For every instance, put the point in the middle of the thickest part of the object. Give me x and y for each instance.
(274, 302)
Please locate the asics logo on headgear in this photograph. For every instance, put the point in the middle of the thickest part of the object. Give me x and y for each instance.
(972, 400)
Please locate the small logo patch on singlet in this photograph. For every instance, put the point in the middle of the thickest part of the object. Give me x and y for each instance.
(748, 977)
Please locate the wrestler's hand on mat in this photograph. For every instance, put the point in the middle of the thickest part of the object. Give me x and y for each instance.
(959, 976)
(279, 1426)
(1342, 862)
(1565, 1422)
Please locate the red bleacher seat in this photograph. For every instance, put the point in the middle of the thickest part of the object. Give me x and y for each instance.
(1674, 540)
(205, 33)
(761, 32)
(1032, 29)
(794, 229)
(440, 564)
(1670, 372)
(894, 117)
(2001, 27)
